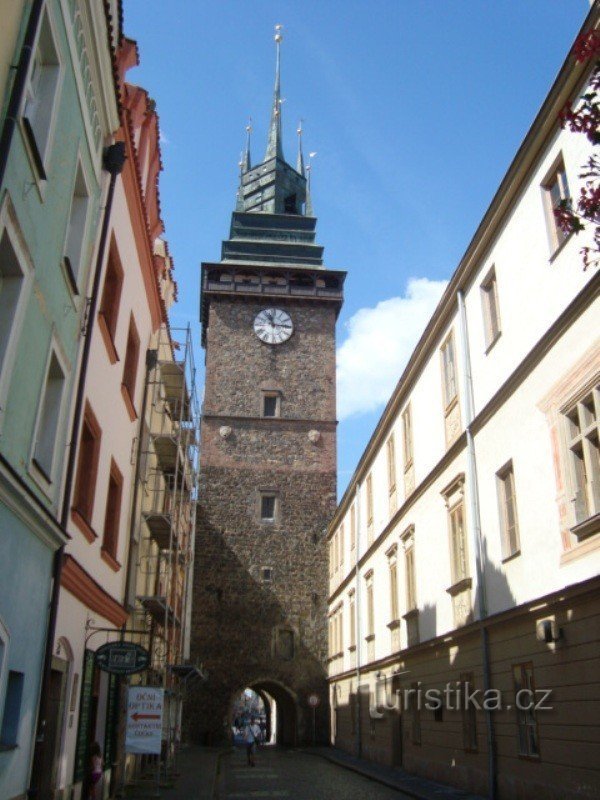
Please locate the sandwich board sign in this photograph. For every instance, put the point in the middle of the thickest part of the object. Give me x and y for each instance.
(143, 733)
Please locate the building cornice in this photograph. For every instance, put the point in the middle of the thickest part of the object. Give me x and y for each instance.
(575, 592)
(545, 125)
(76, 580)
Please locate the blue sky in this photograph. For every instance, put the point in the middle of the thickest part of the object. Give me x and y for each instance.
(415, 109)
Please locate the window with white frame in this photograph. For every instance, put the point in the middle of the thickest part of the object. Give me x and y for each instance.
(342, 547)
(49, 417)
(491, 308)
(352, 526)
(352, 618)
(13, 281)
(449, 371)
(393, 582)
(408, 436)
(582, 437)
(556, 196)
(409, 569)
(74, 245)
(370, 604)
(369, 491)
(458, 543)
(507, 503)
(391, 463)
(41, 96)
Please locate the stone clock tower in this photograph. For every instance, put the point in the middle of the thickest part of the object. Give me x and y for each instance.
(268, 455)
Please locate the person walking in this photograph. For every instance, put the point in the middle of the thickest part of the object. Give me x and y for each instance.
(257, 732)
(249, 741)
(95, 771)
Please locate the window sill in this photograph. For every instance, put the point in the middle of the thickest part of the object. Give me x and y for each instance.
(589, 527)
(510, 556)
(85, 528)
(108, 557)
(460, 586)
(33, 149)
(128, 403)
(410, 614)
(69, 275)
(394, 624)
(557, 251)
(42, 480)
(370, 637)
(449, 407)
(580, 550)
(492, 342)
(113, 356)
(352, 648)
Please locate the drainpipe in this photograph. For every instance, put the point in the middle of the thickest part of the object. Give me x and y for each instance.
(18, 87)
(477, 539)
(357, 623)
(114, 158)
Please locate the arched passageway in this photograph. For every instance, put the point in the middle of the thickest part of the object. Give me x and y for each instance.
(271, 701)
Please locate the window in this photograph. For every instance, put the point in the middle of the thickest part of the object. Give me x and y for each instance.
(469, 714)
(342, 547)
(352, 527)
(111, 295)
(132, 357)
(289, 204)
(41, 94)
(449, 371)
(113, 511)
(266, 574)
(393, 575)
(352, 619)
(49, 418)
(271, 404)
(370, 604)
(409, 569)
(268, 506)
(582, 434)
(9, 733)
(391, 463)
(336, 552)
(87, 466)
(370, 507)
(458, 544)
(508, 511)
(556, 192)
(527, 730)
(408, 439)
(12, 284)
(285, 644)
(331, 558)
(76, 228)
(491, 309)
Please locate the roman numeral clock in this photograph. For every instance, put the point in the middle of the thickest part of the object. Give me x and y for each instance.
(268, 455)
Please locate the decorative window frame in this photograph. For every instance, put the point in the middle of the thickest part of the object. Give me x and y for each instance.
(556, 239)
(76, 275)
(47, 481)
(276, 518)
(489, 295)
(501, 476)
(38, 159)
(573, 386)
(451, 407)
(9, 224)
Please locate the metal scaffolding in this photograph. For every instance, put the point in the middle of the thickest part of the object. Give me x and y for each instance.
(168, 481)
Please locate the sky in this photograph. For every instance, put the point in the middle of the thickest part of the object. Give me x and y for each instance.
(415, 109)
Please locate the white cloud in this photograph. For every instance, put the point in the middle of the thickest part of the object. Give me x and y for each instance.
(379, 343)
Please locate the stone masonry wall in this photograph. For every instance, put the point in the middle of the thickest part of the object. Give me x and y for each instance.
(238, 620)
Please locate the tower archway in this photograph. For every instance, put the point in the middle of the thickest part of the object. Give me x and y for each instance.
(280, 709)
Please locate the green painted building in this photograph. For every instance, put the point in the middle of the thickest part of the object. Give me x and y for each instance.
(58, 111)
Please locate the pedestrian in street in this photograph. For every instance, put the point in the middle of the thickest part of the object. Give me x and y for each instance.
(256, 731)
(249, 741)
(95, 771)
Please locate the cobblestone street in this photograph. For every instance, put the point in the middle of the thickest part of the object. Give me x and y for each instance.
(294, 775)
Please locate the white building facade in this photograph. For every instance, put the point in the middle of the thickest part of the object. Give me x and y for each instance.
(466, 550)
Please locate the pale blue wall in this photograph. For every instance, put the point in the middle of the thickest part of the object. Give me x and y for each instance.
(26, 568)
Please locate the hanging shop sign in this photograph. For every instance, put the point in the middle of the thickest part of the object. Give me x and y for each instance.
(143, 732)
(122, 658)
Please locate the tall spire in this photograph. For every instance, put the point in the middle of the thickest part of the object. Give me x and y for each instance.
(308, 210)
(274, 147)
(239, 200)
(300, 161)
(247, 164)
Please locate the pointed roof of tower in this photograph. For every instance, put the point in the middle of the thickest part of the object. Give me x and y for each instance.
(247, 164)
(274, 145)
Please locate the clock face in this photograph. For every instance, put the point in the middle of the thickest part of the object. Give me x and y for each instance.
(273, 326)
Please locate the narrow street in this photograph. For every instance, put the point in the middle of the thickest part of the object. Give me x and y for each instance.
(295, 775)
